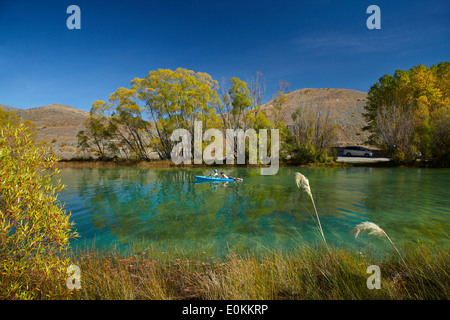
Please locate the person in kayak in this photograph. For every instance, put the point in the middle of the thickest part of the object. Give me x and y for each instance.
(215, 174)
(226, 177)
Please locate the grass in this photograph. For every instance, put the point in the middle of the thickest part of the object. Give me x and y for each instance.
(306, 273)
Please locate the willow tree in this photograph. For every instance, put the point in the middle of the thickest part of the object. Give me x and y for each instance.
(175, 100)
(314, 134)
(128, 124)
(99, 131)
(143, 117)
(34, 227)
(257, 86)
(12, 119)
(240, 104)
(408, 113)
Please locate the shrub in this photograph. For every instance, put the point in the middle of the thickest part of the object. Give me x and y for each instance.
(34, 228)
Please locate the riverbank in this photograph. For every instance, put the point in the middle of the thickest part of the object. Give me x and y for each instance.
(352, 162)
(305, 274)
(169, 164)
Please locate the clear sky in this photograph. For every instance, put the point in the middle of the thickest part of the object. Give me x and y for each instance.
(311, 44)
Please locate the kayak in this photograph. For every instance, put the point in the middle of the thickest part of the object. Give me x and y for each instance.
(211, 179)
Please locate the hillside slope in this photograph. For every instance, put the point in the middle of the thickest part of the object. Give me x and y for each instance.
(345, 108)
(9, 108)
(55, 115)
(56, 122)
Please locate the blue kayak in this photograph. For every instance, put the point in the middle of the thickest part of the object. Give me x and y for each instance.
(212, 179)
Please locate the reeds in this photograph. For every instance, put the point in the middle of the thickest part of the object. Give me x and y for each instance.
(308, 272)
(303, 184)
(374, 230)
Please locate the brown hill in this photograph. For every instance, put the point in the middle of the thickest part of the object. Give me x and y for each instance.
(59, 124)
(9, 108)
(56, 122)
(55, 115)
(345, 108)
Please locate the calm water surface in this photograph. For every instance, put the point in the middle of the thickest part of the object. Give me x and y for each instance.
(166, 207)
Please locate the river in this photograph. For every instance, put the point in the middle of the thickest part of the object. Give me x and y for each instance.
(165, 207)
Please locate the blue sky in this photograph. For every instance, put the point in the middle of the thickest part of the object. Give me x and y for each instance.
(311, 44)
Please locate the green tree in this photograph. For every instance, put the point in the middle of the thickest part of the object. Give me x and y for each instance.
(34, 228)
(99, 131)
(241, 107)
(11, 118)
(144, 117)
(128, 125)
(408, 113)
(8, 117)
(236, 99)
(175, 100)
(240, 98)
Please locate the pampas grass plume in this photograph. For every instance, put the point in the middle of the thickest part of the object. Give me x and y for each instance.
(365, 226)
(374, 230)
(303, 184)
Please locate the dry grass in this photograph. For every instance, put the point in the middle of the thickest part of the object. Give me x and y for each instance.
(306, 273)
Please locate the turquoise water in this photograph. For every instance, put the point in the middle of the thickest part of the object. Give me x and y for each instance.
(165, 207)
